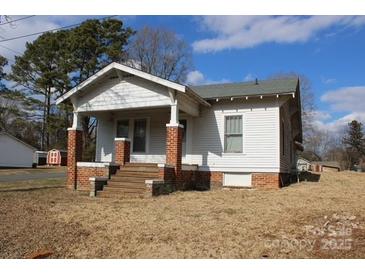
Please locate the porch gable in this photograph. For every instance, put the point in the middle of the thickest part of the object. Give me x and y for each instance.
(122, 93)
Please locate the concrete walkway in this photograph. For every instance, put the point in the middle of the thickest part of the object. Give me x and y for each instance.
(32, 176)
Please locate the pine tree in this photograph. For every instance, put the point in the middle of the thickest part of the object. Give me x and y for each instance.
(355, 142)
(55, 62)
(39, 71)
(93, 45)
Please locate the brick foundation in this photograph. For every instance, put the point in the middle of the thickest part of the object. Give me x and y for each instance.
(166, 173)
(122, 150)
(74, 154)
(266, 180)
(84, 173)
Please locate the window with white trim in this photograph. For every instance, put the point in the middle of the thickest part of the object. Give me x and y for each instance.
(233, 137)
(122, 128)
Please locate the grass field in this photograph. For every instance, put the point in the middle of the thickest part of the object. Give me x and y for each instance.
(40, 169)
(31, 185)
(324, 219)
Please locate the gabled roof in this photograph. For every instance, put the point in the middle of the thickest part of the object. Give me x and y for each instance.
(266, 87)
(16, 139)
(200, 93)
(120, 67)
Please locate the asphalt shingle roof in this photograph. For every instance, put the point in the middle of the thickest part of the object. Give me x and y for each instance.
(263, 87)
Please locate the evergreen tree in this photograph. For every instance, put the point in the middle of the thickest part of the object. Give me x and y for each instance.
(55, 62)
(40, 71)
(354, 142)
(93, 45)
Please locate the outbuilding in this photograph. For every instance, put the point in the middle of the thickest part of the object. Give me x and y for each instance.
(57, 157)
(325, 166)
(14, 152)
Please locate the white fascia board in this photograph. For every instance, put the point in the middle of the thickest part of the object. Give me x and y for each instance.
(124, 68)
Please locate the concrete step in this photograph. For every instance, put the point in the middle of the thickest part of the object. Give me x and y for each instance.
(112, 185)
(137, 169)
(129, 174)
(132, 180)
(141, 165)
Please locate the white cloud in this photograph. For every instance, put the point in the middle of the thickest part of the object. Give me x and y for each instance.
(249, 77)
(328, 81)
(196, 77)
(238, 32)
(321, 115)
(338, 125)
(345, 99)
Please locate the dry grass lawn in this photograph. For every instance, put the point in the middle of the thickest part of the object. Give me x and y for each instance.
(323, 219)
(40, 169)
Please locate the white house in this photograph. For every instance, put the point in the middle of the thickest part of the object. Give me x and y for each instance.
(236, 134)
(14, 152)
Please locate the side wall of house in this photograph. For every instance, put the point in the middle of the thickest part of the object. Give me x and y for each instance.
(286, 140)
(14, 153)
(260, 137)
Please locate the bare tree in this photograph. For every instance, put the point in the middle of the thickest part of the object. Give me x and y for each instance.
(161, 53)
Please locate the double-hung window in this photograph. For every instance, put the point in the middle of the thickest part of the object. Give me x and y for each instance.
(122, 128)
(233, 137)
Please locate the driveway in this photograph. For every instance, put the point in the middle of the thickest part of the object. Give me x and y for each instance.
(33, 176)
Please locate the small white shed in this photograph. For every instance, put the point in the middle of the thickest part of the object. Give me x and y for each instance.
(14, 152)
(303, 164)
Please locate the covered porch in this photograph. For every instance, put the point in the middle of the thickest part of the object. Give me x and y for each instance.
(142, 119)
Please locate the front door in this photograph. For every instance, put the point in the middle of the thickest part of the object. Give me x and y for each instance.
(140, 135)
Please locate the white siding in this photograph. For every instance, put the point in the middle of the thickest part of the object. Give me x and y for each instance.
(260, 132)
(130, 93)
(14, 153)
(105, 139)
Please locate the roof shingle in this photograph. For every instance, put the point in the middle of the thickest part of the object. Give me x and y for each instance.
(266, 87)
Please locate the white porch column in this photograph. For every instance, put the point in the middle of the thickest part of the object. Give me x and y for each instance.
(174, 109)
(76, 122)
(174, 116)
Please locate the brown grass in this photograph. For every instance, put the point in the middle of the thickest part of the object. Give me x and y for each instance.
(213, 224)
(31, 184)
(40, 169)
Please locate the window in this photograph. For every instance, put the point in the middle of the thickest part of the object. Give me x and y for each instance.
(183, 122)
(139, 136)
(122, 128)
(233, 134)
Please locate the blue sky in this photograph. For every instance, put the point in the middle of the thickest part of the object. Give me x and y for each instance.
(329, 50)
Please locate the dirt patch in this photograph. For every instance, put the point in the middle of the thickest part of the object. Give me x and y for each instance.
(289, 223)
